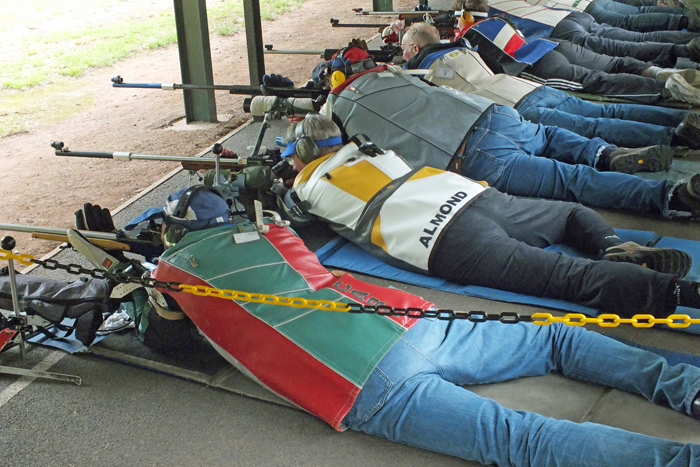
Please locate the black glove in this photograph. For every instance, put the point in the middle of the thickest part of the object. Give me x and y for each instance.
(277, 81)
(361, 43)
(94, 218)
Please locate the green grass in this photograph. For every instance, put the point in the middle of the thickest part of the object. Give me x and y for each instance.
(21, 110)
(39, 58)
(48, 52)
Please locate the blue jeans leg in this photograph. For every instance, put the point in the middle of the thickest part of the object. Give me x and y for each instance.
(630, 18)
(524, 159)
(414, 395)
(624, 125)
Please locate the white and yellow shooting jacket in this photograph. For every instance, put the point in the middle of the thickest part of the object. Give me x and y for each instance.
(383, 205)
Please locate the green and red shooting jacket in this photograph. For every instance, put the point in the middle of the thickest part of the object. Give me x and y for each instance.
(318, 360)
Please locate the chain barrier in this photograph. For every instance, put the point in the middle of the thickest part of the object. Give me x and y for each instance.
(506, 317)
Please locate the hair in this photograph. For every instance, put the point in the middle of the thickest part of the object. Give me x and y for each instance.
(317, 127)
(422, 34)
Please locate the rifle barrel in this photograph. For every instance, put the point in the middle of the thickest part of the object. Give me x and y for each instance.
(295, 52)
(338, 24)
(405, 13)
(188, 163)
(232, 89)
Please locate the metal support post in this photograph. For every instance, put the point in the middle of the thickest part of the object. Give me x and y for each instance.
(195, 59)
(253, 33)
(382, 5)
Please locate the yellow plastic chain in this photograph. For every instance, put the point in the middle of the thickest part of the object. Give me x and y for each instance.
(22, 259)
(612, 321)
(296, 302)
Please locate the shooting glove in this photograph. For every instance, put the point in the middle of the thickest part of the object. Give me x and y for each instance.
(277, 81)
(95, 218)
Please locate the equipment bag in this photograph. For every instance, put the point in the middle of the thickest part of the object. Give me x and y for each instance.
(84, 300)
(158, 327)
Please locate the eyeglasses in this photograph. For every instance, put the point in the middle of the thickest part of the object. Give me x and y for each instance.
(403, 46)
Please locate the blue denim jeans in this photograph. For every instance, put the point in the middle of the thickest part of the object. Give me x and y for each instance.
(624, 125)
(659, 47)
(414, 396)
(634, 18)
(525, 159)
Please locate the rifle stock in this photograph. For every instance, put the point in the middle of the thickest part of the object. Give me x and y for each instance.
(101, 239)
(107, 244)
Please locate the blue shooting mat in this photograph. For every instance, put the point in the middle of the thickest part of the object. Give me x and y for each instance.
(64, 340)
(340, 253)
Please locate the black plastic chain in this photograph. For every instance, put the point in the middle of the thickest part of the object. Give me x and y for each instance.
(119, 277)
(507, 317)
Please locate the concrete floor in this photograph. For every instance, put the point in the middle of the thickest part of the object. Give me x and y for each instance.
(126, 415)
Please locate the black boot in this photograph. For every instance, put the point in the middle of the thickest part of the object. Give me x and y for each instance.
(686, 197)
(666, 260)
(630, 161)
(687, 133)
(695, 407)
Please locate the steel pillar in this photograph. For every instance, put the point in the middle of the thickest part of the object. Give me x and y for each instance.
(195, 59)
(382, 5)
(253, 34)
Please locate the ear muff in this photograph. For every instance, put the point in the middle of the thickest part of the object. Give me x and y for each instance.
(174, 233)
(305, 148)
(184, 201)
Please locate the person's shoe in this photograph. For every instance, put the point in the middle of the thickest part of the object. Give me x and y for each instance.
(695, 407)
(690, 75)
(666, 260)
(680, 90)
(93, 253)
(681, 4)
(647, 159)
(687, 197)
(693, 49)
(687, 133)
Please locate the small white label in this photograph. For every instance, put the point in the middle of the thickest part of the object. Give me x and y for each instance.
(385, 74)
(246, 237)
(445, 73)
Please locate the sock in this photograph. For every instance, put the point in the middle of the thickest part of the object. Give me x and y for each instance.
(604, 160)
(611, 241)
(651, 72)
(685, 293)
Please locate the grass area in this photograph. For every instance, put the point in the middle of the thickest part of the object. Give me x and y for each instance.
(43, 104)
(44, 44)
